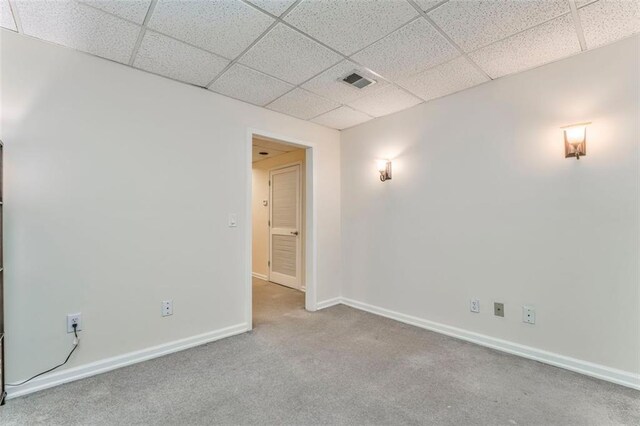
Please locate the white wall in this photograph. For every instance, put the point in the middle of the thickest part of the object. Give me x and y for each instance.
(260, 219)
(484, 204)
(118, 184)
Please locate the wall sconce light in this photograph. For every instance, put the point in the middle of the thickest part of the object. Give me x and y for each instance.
(575, 140)
(384, 167)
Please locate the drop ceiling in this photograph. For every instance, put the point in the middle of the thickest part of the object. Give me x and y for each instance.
(290, 55)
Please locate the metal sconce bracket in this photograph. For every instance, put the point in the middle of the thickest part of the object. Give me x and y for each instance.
(575, 150)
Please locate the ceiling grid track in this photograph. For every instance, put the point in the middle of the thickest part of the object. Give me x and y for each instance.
(352, 60)
(521, 31)
(158, 32)
(446, 36)
(348, 58)
(16, 15)
(410, 21)
(341, 106)
(587, 3)
(260, 37)
(143, 31)
(398, 88)
(235, 61)
(299, 86)
(436, 6)
(577, 24)
(148, 17)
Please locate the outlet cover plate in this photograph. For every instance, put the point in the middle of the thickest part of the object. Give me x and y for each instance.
(474, 305)
(498, 309)
(74, 319)
(167, 308)
(528, 314)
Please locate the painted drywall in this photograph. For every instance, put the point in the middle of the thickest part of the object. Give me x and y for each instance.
(484, 205)
(118, 186)
(260, 219)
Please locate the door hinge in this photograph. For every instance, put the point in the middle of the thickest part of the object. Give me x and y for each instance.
(269, 183)
(269, 263)
(269, 223)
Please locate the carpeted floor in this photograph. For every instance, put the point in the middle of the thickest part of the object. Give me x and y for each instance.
(336, 366)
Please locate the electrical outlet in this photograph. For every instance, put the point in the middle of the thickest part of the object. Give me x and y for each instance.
(498, 309)
(474, 305)
(529, 314)
(74, 319)
(167, 308)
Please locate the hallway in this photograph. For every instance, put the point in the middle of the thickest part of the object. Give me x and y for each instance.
(272, 301)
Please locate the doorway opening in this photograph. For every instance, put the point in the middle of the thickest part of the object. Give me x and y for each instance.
(280, 219)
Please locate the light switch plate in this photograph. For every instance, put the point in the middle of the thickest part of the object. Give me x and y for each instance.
(233, 220)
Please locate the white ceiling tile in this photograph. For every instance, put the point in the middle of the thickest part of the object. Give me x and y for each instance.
(6, 17)
(473, 24)
(407, 51)
(171, 58)
(288, 55)
(220, 26)
(341, 118)
(329, 84)
(428, 4)
(250, 86)
(444, 79)
(606, 21)
(80, 27)
(385, 101)
(133, 10)
(350, 25)
(302, 104)
(545, 43)
(275, 7)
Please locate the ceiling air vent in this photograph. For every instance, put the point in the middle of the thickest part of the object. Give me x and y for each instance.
(356, 80)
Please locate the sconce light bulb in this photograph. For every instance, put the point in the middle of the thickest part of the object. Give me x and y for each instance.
(575, 135)
(575, 140)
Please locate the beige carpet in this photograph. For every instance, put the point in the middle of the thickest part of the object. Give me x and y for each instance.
(336, 366)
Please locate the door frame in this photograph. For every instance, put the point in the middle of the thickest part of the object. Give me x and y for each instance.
(310, 240)
(301, 221)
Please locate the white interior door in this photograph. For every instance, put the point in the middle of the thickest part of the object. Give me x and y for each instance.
(284, 230)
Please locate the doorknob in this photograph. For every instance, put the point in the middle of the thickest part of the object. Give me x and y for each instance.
(294, 233)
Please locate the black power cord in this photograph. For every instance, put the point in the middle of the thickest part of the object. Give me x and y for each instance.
(76, 342)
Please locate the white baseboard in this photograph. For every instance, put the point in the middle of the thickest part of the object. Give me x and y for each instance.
(328, 303)
(621, 377)
(259, 276)
(613, 375)
(102, 366)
